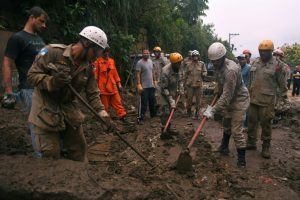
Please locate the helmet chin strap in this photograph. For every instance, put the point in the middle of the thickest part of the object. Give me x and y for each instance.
(85, 50)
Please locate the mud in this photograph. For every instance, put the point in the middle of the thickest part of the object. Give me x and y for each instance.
(114, 171)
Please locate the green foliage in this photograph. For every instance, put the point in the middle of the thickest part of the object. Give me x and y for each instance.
(292, 54)
(174, 25)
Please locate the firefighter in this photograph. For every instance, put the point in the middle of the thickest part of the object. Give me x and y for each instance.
(266, 75)
(55, 113)
(234, 100)
(171, 85)
(195, 71)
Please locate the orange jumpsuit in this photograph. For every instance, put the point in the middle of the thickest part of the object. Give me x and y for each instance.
(107, 77)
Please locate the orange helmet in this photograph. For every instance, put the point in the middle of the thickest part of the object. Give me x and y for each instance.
(266, 45)
(175, 57)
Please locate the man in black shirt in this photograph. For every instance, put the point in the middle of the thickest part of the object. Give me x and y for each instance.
(21, 49)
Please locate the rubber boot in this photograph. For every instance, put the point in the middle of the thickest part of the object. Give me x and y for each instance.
(265, 152)
(196, 115)
(223, 148)
(241, 161)
(251, 145)
(189, 112)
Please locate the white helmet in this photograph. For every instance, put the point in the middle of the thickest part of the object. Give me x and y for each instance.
(216, 51)
(95, 35)
(195, 53)
(278, 52)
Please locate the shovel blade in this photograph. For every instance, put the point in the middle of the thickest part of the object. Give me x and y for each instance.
(184, 162)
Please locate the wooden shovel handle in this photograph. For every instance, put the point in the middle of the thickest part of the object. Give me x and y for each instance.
(201, 125)
(171, 114)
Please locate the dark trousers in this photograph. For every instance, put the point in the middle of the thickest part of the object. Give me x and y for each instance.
(296, 86)
(147, 98)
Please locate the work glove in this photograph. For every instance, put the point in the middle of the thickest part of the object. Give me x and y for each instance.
(103, 114)
(155, 83)
(61, 78)
(180, 92)
(9, 101)
(172, 103)
(139, 89)
(209, 112)
(110, 125)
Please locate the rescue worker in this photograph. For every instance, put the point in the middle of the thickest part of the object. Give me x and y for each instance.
(171, 85)
(195, 71)
(279, 54)
(267, 74)
(281, 104)
(234, 100)
(182, 104)
(158, 64)
(247, 54)
(55, 113)
(187, 60)
(109, 84)
(245, 69)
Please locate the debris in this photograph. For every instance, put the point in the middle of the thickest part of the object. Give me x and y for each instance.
(266, 180)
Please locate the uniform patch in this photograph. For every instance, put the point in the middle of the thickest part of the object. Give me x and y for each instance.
(231, 76)
(41, 53)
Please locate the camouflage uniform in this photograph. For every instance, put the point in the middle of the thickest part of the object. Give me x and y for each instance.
(282, 105)
(181, 106)
(265, 79)
(170, 83)
(234, 99)
(158, 64)
(55, 112)
(195, 71)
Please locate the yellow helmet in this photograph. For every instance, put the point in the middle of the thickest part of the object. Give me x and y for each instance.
(157, 49)
(175, 57)
(266, 45)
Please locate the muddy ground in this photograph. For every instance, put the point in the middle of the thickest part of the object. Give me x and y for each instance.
(115, 172)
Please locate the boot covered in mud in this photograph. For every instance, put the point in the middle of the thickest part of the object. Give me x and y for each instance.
(189, 112)
(265, 152)
(196, 115)
(251, 144)
(166, 135)
(223, 148)
(241, 158)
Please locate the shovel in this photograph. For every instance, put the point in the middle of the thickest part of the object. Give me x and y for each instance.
(104, 122)
(171, 115)
(184, 162)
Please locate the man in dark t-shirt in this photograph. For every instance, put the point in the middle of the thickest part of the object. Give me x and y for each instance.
(21, 49)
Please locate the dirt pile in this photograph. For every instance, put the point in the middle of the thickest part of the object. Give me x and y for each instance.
(116, 172)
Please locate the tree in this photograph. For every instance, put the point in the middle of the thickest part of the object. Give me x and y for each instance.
(175, 25)
(291, 54)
